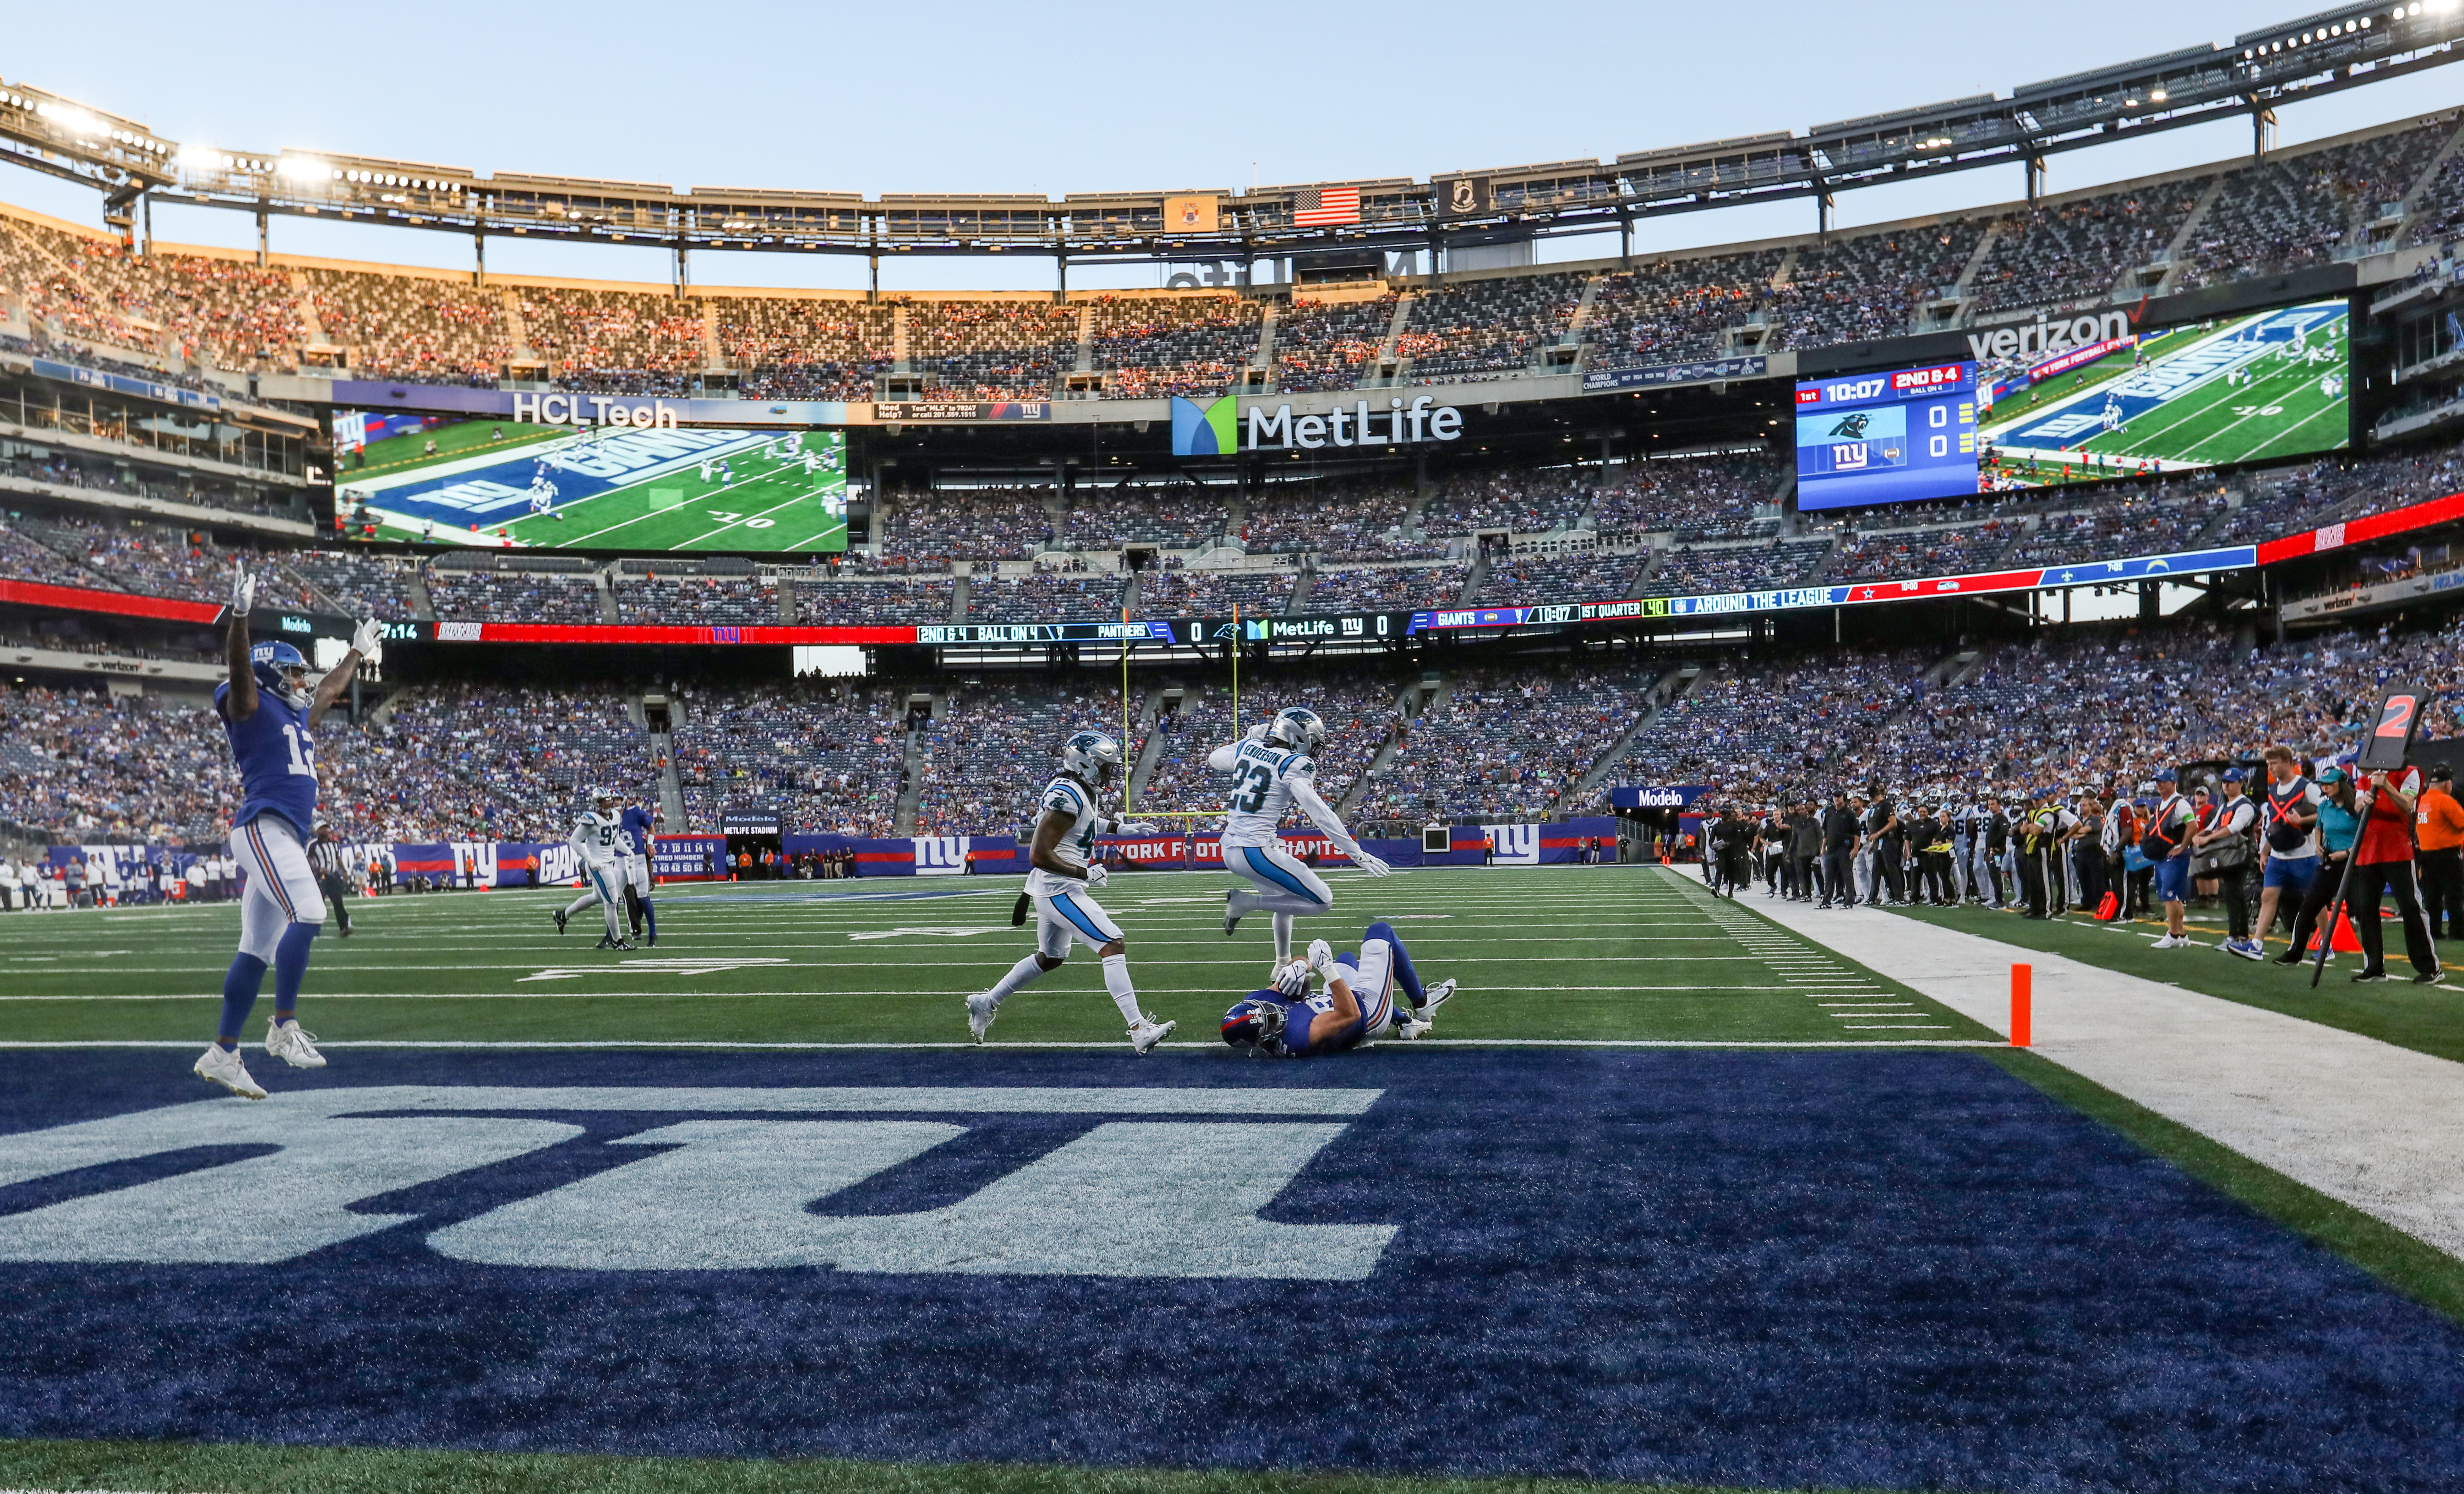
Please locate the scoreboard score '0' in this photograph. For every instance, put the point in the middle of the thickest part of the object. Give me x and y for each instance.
(1892, 437)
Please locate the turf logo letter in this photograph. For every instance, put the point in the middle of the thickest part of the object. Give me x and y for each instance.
(1128, 1198)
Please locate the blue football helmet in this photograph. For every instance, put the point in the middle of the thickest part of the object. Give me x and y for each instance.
(1091, 756)
(1256, 1022)
(1298, 728)
(279, 668)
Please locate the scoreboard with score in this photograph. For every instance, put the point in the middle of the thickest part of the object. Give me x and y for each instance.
(1893, 437)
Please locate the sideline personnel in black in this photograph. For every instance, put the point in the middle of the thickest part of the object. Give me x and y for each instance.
(1839, 848)
(326, 863)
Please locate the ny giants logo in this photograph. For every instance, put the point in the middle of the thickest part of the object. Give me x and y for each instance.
(729, 1189)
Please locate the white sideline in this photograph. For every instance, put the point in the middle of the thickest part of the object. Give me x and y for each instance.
(2367, 1123)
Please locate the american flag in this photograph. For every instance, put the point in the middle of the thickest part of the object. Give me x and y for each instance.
(1324, 207)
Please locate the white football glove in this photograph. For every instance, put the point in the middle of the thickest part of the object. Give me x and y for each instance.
(1132, 828)
(366, 637)
(1294, 979)
(243, 592)
(1374, 865)
(1096, 876)
(1321, 957)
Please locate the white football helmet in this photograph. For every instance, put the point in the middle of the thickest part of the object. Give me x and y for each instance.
(1298, 728)
(1092, 757)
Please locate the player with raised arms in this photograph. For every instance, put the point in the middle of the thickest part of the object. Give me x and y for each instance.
(268, 712)
(1274, 770)
(1057, 881)
(1358, 1004)
(598, 839)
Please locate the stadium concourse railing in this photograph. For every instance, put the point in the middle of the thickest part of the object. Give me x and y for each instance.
(1329, 628)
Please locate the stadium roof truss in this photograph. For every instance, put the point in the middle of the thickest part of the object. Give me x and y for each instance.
(2252, 76)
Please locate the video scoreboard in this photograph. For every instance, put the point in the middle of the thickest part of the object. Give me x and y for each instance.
(1892, 437)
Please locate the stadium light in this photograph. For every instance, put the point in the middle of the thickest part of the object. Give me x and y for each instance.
(306, 169)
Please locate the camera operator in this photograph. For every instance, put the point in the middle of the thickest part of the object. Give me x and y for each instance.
(2226, 846)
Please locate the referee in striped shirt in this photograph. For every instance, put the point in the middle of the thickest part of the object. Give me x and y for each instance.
(325, 861)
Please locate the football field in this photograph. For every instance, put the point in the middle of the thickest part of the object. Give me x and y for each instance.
(2253, 389)
(1673, 1198)
(612, 489)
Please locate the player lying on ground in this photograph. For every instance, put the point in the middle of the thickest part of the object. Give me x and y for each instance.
(1059, 880)
(268, 714)
(1357, 1005)
(1274, 770)
(598, 838)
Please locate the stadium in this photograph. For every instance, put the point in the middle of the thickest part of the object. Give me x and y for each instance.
(1855, 825)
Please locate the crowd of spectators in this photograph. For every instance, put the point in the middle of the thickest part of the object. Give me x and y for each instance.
(824, 756)
(1361, 518)
(1183, 516)
(1042, 598)
(1712, 496)
(1390, 588)
(1322, 345)
(1505, 743)
(800, 349)
(1486, 326)
(992, 745)
(914, 598)
(718, 600)
(1673, 311)
(2080, 250)
(85, 471)
(1523, 502)
(993, 349)
(1856, 288)
(1575, 576)
(968, 523)
(479, 596)
(1195, 343)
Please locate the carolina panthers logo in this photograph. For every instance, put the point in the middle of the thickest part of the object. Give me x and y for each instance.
(1853, 427)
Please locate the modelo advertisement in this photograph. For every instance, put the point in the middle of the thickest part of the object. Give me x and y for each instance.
(499, 484)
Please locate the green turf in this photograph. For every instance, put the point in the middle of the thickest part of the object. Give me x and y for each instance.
(2426, 1021)
(180, 1466)
(459, 438)
(2281, 412)
(1594, 953)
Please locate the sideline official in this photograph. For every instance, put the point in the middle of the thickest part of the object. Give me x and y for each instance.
(2438, 824)
(326, 863)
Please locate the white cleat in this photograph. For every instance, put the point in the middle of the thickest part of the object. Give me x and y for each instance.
(981, 1011)
(292, 1044)
(222, 1067)
(1417, 1028)
(1148, 1033)
(1435, 996)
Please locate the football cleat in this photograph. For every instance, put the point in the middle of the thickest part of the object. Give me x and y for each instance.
(222, 1067)
(1417, 1028)
(292, 1044)
(1148, 1033)
(1435, 996)
(1231, 915)
(559, 917)
(981, 1011)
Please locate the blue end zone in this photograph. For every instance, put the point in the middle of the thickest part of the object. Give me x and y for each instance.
(1903, 1270)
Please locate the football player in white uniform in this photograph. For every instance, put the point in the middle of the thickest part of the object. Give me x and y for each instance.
(1274, 770)
(1059, 880)
(598, 838)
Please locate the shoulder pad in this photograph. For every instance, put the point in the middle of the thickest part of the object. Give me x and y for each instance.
(1300, 766)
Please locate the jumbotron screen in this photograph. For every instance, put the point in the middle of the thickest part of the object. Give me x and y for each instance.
(2242, 388)
(483, 481)
(1891, 437)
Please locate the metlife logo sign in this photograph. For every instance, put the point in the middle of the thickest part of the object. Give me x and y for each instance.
(1220, 429)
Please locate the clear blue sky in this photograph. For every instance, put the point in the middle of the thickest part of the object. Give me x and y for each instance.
(961, 96)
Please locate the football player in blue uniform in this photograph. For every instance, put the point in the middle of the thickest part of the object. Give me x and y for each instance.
(1356, 1006)
(1274, 770)
(268, 712)
(635, 830)
(1059, 877)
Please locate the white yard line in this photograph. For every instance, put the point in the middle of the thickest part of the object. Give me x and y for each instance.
(2378, 1126)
